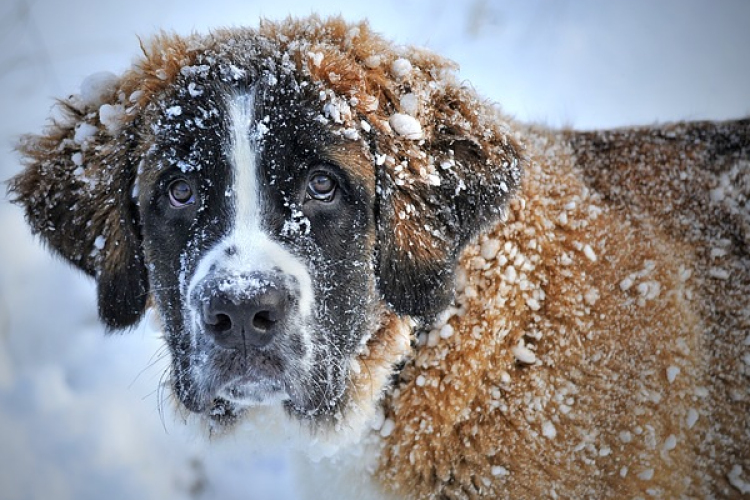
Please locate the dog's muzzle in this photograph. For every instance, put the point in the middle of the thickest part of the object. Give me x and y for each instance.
(248, 343)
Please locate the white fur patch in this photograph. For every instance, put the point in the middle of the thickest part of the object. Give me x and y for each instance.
(253, 249)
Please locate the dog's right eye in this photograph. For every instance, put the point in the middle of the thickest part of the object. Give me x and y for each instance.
(321, 187)
(181, 194)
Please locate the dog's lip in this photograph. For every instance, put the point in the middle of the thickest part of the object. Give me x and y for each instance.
(248, 388)
(250, 381)
(252, 389)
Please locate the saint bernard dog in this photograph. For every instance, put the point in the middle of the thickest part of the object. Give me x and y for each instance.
(342, 239)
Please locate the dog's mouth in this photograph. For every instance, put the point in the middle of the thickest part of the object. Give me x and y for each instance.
(222, 385)
(208, 379)
(252, 391)
(246, 341)
(235, 397)
(250, 343)
(228, 404)
(241, 379)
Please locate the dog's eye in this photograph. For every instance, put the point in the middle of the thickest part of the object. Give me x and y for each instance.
(181, 194)
(321, 187)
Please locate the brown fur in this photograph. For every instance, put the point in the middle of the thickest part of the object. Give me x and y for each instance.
(602, 352)
(621, 427)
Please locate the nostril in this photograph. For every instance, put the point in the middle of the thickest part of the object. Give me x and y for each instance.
(223, 323)
(263, 321)
(217, 323)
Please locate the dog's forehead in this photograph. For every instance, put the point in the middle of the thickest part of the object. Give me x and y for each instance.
(191, 121)
(361, 88)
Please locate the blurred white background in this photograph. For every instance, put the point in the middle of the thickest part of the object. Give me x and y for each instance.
(78, 411)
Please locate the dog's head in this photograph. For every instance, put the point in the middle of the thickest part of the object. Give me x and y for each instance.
(280, 195)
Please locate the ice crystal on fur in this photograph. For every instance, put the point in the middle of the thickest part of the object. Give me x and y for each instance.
(406, 126)
(97, 89)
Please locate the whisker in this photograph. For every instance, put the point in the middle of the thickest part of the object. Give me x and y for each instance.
(158, 356)
(161, 396)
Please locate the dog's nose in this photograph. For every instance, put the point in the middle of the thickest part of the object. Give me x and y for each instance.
(243, 312)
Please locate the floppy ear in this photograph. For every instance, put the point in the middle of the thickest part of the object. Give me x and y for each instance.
(76, 191)
(437, 193)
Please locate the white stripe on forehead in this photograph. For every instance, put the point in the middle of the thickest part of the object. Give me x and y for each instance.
(243, 157)
(248, 248)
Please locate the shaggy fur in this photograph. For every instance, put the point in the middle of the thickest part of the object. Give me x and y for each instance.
(597, 344)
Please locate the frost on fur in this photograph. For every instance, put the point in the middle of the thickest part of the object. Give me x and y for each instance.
(579, 300)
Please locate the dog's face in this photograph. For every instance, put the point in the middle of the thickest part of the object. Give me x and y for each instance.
(279, 196)
(259, 229)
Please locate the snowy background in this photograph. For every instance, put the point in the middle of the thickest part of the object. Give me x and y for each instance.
(79, 417)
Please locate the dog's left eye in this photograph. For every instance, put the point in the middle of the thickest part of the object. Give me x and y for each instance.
(321, 187)
(181, 194)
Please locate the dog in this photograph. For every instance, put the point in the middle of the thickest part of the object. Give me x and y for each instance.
(343, 240)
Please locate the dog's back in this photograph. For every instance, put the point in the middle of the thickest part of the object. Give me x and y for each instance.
(693, 182)
(600, 341)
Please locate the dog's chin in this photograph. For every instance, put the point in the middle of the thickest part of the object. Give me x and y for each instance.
(234, 399)
(221, 396)
(245, 392)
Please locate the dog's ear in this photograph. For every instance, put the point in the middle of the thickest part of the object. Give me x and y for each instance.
(445, 174)
(76, 190)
